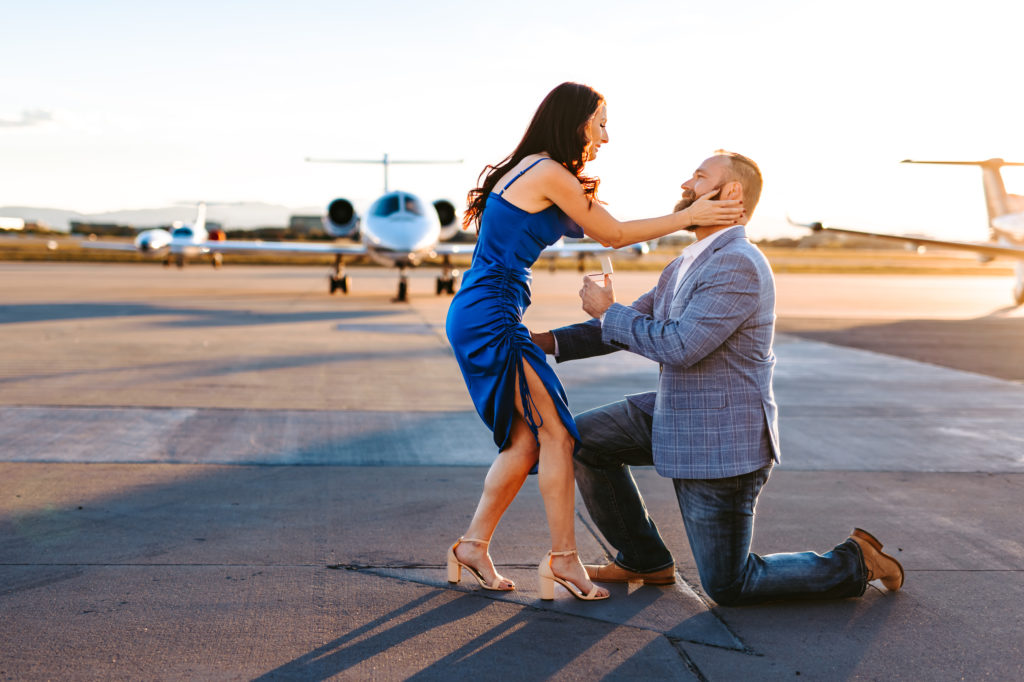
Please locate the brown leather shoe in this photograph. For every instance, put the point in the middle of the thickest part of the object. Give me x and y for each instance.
(613, 573)
(880, 565)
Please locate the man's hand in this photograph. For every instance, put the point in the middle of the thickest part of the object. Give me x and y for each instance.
(546, 341)
(597, 298)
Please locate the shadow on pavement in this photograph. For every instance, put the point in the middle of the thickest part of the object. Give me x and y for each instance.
(989, 345)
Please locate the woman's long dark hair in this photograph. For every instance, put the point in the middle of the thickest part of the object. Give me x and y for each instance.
(558, 128)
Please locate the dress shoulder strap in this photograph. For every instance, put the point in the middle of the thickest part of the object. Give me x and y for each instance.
(545, 158)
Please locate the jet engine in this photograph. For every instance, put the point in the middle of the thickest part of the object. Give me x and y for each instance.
(342, 219)
(446, 215)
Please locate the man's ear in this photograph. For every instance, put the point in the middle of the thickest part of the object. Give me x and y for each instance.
(731, 190)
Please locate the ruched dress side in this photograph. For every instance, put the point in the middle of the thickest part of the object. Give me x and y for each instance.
(485, 320)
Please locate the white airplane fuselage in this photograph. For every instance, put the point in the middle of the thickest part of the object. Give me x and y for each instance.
(400, 229)
(185, 240)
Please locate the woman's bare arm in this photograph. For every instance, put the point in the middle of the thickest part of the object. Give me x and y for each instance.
(564, 190)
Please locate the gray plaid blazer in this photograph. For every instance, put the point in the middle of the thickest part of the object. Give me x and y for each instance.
(714, 411)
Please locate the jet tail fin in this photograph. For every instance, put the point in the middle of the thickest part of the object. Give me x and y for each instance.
(997, 201)
(200, 223)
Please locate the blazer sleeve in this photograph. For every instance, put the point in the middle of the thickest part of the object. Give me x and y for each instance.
(728, 296)
(583, 340)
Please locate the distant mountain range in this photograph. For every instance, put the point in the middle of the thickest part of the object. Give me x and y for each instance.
(235, 216)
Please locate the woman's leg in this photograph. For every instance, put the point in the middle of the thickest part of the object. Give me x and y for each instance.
(557, 485)
(504, 479)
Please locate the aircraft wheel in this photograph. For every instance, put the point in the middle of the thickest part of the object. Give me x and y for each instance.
(339, 283)
(440, 286)
(450, 287)
(403, 292)
(180, 261)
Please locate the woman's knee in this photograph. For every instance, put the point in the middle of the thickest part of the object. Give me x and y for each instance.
(522, 449)
(556, 439)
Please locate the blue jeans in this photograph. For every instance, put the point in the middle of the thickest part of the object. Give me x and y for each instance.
(718, 515)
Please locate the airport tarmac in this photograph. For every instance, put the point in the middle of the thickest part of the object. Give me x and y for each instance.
(230, 474)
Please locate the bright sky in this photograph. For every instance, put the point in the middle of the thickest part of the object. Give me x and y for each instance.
(114, 104)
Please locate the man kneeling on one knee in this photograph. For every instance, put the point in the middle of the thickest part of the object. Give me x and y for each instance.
(712, 425)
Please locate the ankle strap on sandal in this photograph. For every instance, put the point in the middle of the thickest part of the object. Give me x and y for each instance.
(568, 552)
(482, 542)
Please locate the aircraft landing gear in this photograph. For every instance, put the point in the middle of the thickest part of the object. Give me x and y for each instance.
(179, 260)
(337, 279)
(403, 287)
(446, 281)
(216, 259)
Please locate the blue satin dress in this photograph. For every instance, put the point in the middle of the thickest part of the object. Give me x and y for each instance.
(485, 319)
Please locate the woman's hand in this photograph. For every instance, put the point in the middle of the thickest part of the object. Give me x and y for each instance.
(709, 213)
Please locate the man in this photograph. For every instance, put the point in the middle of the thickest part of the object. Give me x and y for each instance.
(712, 426)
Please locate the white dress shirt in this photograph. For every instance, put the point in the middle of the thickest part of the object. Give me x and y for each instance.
(690, 254)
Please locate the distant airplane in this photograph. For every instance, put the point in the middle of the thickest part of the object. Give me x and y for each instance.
(1005, 220)
(181, 241)
(398, 230)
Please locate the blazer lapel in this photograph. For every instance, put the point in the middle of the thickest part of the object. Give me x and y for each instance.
(666, 292)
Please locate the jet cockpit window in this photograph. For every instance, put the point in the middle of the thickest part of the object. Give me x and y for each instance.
(182, 232)
(413, 205)
(386, 205)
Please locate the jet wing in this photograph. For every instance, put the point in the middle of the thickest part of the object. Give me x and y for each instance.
(563, 248)
(559, 248)
(246, 246)
(448, 249)
(108, 246)
(984, 248)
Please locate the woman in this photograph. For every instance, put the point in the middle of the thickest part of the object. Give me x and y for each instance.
(527, 202)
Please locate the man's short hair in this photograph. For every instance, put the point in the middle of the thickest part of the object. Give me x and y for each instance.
(743, 170)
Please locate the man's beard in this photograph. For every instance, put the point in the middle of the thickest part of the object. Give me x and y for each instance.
(689, 196)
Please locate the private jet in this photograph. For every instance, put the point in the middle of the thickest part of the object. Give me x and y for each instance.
(1005, 220)
(175, 244)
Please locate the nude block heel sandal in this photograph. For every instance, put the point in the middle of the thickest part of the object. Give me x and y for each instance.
(548, 580)
(455, 569)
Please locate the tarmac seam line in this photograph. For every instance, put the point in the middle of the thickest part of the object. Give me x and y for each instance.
(673, 641)
(688, 662)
